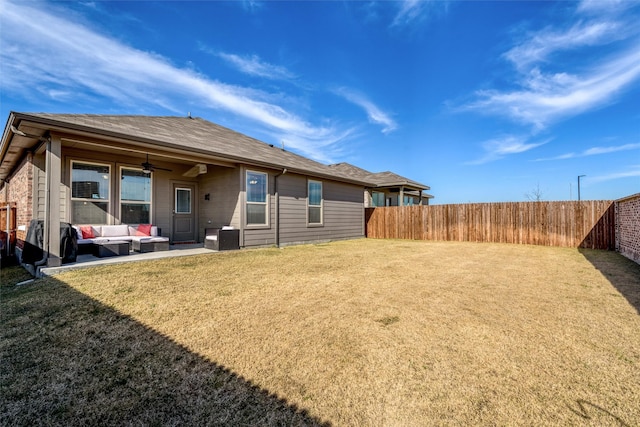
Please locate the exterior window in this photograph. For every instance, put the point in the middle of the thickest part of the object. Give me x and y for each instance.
(183, 200)
(256, 198)
(377, 199)
(135, 196)
(409, 201)
(314, 202)
(90, 185)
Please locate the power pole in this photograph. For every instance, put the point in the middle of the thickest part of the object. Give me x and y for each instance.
(579, 176)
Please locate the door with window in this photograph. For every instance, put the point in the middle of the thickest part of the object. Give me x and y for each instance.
(184, 216)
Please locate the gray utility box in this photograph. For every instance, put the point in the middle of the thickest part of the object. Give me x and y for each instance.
(220, 239)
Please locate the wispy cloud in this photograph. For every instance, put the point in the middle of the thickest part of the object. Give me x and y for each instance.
(375, 114)
(603, 6)
(415, 11)
(549, 97)
(499, 148)
(542, 44)
(254, 66)
(543, 95)
(90, 65)
(252, 5)
(410, 10)
(631, 172)
(594, 151)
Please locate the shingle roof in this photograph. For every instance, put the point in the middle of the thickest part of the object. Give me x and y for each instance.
(380, 179)
(193, 134)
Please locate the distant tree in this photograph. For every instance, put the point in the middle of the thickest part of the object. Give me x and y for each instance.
(534, 195)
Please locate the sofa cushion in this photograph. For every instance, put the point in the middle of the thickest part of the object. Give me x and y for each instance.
(144, 230)
(114, 230)
(87, 232)
(149, 238)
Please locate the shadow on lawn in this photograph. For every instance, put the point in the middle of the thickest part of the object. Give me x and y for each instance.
(589, 411)
(66, 359)
(623, 273)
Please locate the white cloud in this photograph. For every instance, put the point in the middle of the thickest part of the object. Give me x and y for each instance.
(410, 10)
(605, 150)
(631, 172)
(254, 66)
(545, 42)
(496, 149)
(90, 65)
(547, 89)
(375, 114)
(416, 11)
(603, 6)
(594, 151)
(547, 98)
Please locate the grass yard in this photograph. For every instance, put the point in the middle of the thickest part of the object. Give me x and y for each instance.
(363, 332)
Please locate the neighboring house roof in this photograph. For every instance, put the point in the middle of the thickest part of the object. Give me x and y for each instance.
(194, 135)
(379, 179)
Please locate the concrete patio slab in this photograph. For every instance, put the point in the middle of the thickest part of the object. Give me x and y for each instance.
(88, 260)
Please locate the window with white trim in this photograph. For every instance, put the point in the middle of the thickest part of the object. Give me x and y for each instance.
(257, 198)
(90, 184)
(135, 196)
(314, 202)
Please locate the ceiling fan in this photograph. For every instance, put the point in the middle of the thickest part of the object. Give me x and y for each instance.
(148, 167)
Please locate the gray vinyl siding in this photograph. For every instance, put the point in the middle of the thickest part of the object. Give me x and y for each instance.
(162, 202)
(343, 213)
(223, 207)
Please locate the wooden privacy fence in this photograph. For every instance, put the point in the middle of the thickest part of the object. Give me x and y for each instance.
(7, 226)
(584, 224)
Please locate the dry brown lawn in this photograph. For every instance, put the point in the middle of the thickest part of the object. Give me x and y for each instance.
(364, 332)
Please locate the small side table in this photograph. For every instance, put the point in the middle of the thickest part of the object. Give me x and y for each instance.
(150, 245)
(111, 248)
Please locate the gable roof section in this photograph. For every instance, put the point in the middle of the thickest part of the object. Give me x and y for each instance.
(191, 134)
(379, 179)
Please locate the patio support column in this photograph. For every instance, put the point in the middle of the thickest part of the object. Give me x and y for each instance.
(401, 196)
(419, 197)
(52, 202)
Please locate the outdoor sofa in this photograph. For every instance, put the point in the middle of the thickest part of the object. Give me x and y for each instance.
(143, 238)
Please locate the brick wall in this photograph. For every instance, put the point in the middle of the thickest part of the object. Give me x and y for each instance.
(20, 190)
(628, 227)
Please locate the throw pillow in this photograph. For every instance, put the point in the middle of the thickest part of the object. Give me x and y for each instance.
(144, 230)
(87, 232)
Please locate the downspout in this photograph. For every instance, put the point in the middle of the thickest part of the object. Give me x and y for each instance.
(277, 213)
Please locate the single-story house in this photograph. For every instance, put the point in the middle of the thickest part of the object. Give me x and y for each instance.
(386, 188)
(181, 174)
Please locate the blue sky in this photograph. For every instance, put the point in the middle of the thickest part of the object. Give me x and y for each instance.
(482, 101)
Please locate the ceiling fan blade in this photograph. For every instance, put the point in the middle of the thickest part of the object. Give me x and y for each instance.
(146, 166)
